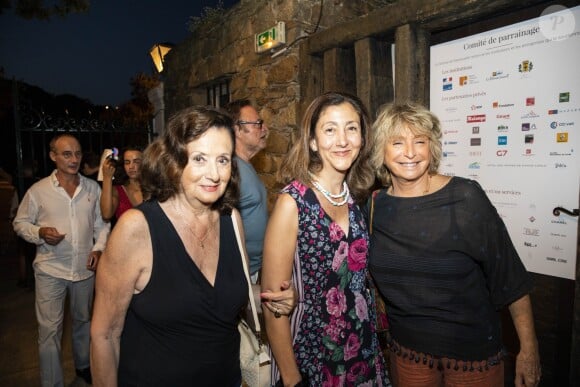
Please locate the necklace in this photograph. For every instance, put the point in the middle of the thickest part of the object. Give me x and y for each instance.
(329, 196)
(203, 238)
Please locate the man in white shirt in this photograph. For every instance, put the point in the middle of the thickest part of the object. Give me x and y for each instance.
(61, 215)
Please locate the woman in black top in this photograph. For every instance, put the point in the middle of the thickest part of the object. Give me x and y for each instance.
(170, 284)
(444, 262)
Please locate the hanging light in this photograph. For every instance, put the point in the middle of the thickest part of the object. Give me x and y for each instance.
(158, 52)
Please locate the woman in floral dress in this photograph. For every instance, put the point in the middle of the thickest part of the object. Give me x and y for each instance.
(317, 235)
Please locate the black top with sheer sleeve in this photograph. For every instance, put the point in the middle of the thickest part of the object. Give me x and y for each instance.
(445, 264)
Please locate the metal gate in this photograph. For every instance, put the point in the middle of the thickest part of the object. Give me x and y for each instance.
(34, 128)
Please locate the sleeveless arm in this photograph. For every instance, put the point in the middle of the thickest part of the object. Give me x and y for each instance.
(279, 248)
(124, 269)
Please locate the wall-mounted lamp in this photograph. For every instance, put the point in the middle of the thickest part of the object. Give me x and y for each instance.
(158, 53)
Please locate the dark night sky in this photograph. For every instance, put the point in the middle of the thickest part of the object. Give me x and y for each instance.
(94, 55)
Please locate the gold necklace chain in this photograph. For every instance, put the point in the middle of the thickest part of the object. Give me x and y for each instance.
(207, 232)
(203, 238)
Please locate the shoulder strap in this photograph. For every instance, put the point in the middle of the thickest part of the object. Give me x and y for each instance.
(372, 211)
(247, 274)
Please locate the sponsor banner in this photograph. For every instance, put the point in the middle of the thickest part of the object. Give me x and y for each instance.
(509, 104)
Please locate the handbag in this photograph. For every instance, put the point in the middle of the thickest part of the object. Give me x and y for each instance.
(254, 359)
(381, 322)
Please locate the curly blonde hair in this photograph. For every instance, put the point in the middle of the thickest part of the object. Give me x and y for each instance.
(391, 121)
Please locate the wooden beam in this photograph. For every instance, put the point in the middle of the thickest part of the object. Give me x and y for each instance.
(339, 70)
(411, 65)
(429, 15)
(374, 73)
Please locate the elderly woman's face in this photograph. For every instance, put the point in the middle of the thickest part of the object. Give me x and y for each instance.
(407, 156)
(209, 166)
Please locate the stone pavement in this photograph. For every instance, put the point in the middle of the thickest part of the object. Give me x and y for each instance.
(18, 330)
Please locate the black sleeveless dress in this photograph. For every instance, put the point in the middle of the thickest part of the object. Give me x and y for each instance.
(181, 331)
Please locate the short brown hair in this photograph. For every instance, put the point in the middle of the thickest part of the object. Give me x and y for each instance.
(165, 159)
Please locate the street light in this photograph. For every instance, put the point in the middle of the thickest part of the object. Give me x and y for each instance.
(158, 52)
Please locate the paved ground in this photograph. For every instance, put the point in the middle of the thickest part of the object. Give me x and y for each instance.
(18, 331)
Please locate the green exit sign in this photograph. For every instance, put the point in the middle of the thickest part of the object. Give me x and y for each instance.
(271, 38)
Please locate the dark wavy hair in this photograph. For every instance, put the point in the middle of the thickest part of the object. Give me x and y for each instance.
(120, 174)
(301, 159)
(165, 159)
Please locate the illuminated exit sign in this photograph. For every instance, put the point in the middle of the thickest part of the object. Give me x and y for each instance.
(271, 38)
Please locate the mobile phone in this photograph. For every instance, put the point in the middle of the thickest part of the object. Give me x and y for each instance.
(115, 154)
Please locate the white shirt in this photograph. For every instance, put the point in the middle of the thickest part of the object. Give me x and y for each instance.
(47, 204)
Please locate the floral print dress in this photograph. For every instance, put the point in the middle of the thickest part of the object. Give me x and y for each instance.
(333, 330)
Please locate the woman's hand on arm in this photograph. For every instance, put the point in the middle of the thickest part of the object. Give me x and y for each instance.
(278, 259)
(123, 266)
(109, 197)
(528, 367)
(282, 301)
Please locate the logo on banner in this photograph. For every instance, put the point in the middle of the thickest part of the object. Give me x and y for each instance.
(564, 97)
(553, 124)
(531, 231)
(560, 165)
(501, 152)
(529, 139)
(530, 101)
(497, 75)
(553, 111)
(525, 126)
(476, 118)
(475, 130)
(468, 79)
(476, 107)
(475, 154)
(447, 83)
(451, 131)
(475, 141)
(526, 66)
(502, 140)
(503, 116)
(449, 154)
(496, 105)
(531, 114)
(562, 137)
(474, 165)
(502, 128)
(528, 152)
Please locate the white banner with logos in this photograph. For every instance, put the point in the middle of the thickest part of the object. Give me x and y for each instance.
(509, 104)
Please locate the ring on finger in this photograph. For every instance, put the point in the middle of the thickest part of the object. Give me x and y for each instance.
(277, 313)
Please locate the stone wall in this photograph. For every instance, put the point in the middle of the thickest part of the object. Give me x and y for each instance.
(226, 49)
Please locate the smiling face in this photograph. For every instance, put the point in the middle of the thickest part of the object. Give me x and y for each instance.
(209, 167)
(337, 137)
(407, 155)
(132, 163)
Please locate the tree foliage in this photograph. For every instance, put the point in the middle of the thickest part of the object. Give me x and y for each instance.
(44, 10)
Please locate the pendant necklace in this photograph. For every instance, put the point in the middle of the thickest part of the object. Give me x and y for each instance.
(329, 196)
(202, 239)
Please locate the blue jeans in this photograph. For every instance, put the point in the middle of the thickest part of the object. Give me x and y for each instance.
(50, 299)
